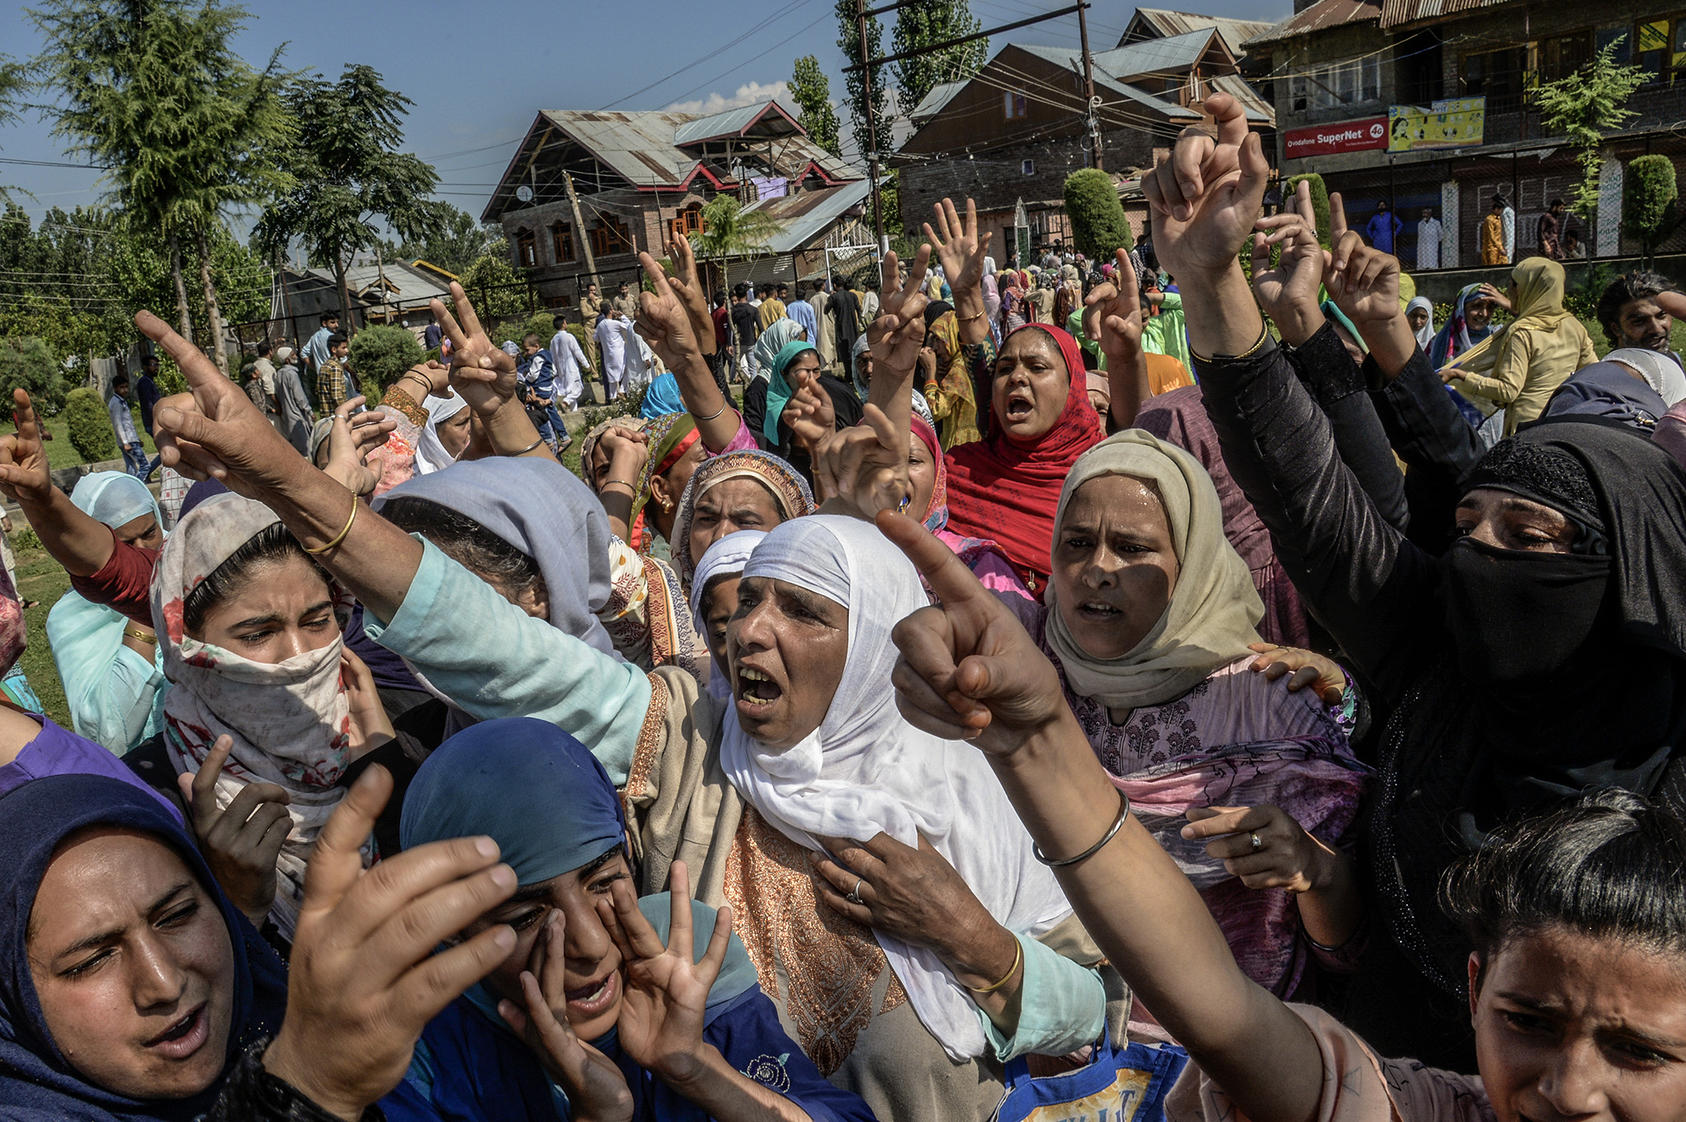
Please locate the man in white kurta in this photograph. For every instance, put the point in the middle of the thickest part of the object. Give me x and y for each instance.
(572, 367)
(614, 338)
(827, 341)
(1429, 235)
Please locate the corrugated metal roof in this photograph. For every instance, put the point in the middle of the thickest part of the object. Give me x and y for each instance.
(733, 122)
(940, 95)
(1321, 16)
(1258, 109)
(1235, 32)
(1109, 79)
(1168, 109)
(1396, 13)
(1157, 56)
(807, 214)
(637, 146)
(407, 286)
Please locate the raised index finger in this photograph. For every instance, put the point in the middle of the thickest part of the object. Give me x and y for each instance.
(336, 862)
(205, 784)
(195, 367)
(1230, 116)
(470, 320)
(1337, 217)
(947, 575)
(23, 415)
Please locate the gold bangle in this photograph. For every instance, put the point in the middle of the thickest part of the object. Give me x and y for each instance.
(1264, 334)
(1018, 957)
(139, 636)
(627, 483)
(973, 316)
(340, 537)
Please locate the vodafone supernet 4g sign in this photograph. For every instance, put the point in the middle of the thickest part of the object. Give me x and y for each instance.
(1341, 136)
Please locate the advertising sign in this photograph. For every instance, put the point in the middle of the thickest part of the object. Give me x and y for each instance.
(1341, 136)
(1454, 123)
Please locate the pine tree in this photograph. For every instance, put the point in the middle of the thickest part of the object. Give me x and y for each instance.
(153, 90)
(922, 23)
(812, 91)
(849, 42)
(350, 172)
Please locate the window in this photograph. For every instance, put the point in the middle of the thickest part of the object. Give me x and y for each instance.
(1498, 76)
(562, 242)
(688, 221)
(526, 252)
(1562, 56)
(610, 236)
(1339, 85)
(1014, 106)
(1027, 167)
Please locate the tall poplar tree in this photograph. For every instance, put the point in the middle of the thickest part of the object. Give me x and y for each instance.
(812, 91)
(921, 23)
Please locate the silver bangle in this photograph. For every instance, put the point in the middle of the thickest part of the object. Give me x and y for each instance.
(1117, 825)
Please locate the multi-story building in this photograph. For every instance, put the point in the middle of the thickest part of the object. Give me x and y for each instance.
(1344, 76)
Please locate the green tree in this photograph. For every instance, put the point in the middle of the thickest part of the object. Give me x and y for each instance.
(495, 289)
(459, 242)
(1098, 224)
(919, 24)
(381, 353)
(1649, 200)
(28, 363)
(849, 42)
(1583, 108)
(153, 90)
(812, 91)
(351, 172)
(1319, 202)
(90, 426)
(731, 231)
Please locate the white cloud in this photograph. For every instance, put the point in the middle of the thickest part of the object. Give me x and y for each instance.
(751, 93)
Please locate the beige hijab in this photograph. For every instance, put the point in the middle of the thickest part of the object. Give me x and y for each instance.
(1214, 608)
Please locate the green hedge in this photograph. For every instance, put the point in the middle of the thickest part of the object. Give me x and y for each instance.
(380, 354)
(90, 426)
(1319, 201)
(1648, 197)
(1098, 224)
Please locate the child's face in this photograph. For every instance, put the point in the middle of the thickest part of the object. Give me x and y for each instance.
(342, 350)
(531, 346)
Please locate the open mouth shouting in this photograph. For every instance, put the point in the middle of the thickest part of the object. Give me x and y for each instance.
(587, 1001)
(1021, 403)
(185, 1036)
(756, 690)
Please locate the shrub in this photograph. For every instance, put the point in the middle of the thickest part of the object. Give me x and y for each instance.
(29, 363)
(1319, 201)
(1648, 199)
(380, 355)
(1098, 224)
(90, 426)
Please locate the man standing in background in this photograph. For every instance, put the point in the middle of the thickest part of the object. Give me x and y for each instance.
(572, 367)
(123, 424)
(748, 328)
(1429, 234)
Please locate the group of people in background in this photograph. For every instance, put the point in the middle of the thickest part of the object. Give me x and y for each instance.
(1147, 688)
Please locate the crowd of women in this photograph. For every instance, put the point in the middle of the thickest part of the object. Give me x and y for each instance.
(901, 746)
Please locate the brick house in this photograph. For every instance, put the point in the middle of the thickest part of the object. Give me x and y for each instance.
(1344, 63)
(639, 176)
(1009, 135)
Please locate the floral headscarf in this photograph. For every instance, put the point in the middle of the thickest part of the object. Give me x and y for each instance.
(290, 720)
(789, 490)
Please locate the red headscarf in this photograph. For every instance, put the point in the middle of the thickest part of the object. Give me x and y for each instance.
(1008, 492)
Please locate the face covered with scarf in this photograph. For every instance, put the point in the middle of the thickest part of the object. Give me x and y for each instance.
(446, 434)
(1147, 597)
(749, 490)
(250, 632)
(86, 1029)
(816, 744)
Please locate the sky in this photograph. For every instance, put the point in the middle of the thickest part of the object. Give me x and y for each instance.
(478, 73)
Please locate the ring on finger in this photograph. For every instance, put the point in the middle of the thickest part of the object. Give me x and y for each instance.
(1257, 842)
(854, 896)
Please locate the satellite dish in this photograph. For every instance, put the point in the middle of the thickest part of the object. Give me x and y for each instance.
(524, 193)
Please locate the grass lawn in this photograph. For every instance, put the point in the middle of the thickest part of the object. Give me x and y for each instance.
(41, 578)
(62, 454)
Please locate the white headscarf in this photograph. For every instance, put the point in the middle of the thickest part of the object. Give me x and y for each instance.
(1660, 371)
(430, 453)
(1426, 335)
(865, 770)
(726, 557)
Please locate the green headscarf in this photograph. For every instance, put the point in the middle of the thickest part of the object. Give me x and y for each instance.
(779, 391)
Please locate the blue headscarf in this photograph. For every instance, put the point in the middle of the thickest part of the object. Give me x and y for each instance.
(662, 397)
(37, 1083)
(780, 391)
(114, 498)
(539, 792)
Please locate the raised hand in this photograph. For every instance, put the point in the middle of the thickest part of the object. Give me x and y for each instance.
(370, 726)
(214, 430)
(897, 334)
(958, 246)
(364, 978)
(1206, 195)
(968, 669)
(684, 282)
(809, 413)
(663, 319)
(864, 466)
(1288, 293)
(352, 439)
(24, 475)
(1362, 281)
(1112, 314)
(661, 1018)
(480, 369)
(1285, 856)
(242, 842)
(595, 1087)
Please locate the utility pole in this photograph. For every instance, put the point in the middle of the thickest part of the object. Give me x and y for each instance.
(1093, 126)
(579, 227)
(871, 132)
